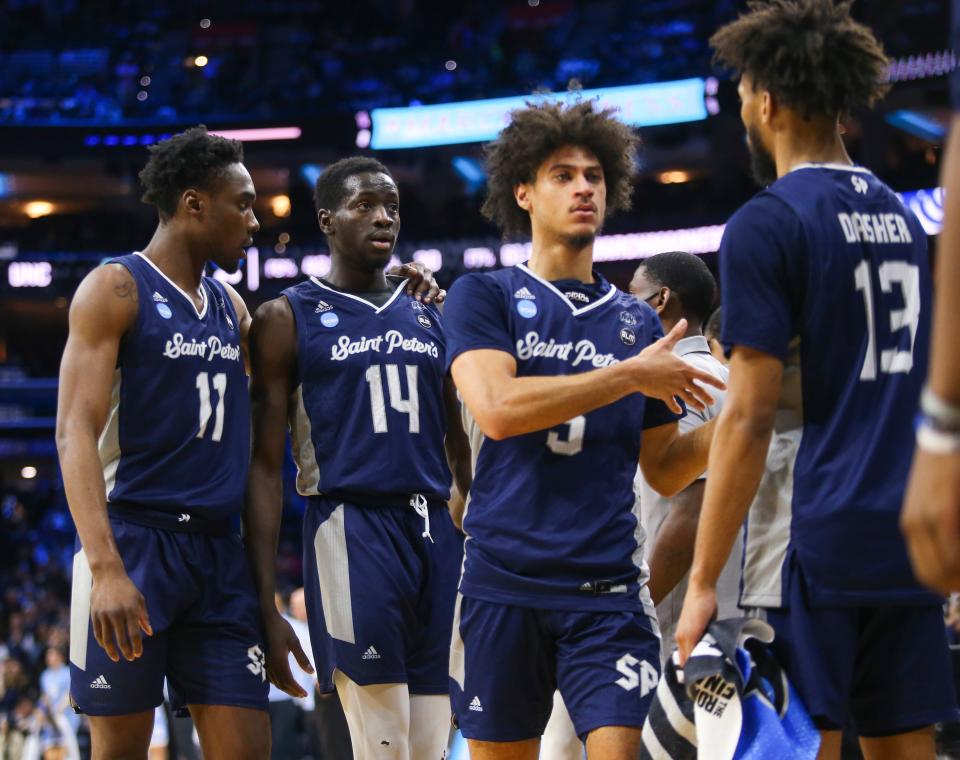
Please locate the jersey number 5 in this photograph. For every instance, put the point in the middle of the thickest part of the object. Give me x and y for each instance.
(573, 444)
(907, 278)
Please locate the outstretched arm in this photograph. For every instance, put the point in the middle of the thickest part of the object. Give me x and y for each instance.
(273, 353)
(505, 405)
(103, 309)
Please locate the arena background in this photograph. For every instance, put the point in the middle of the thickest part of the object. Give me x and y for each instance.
(85, 87)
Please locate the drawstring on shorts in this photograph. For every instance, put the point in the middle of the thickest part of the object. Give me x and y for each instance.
(419, 502)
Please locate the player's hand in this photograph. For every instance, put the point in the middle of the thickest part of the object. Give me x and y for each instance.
(699, 607)
(118, 613)
(281, 640)
(420, 282)
(664, 375)
(930, 520)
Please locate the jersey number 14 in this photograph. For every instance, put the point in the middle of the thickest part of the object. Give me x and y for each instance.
(378, 406)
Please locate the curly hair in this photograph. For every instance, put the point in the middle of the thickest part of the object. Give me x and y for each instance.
(815, 58)
(330, 188)
(193, 158)
(537, 131)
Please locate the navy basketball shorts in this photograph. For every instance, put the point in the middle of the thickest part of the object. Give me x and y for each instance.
(506, 662)
(207, 633)
(379, 593)
(885, 669)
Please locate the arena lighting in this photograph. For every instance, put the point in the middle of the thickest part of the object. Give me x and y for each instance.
(36, 209)
(252, 268)
(635, 245)
(479, 257)
(276, 268)
(200, 61)
(28, 473)
(927, 205)
(921, 66)
(315, 265)
(917, 124)
(644, 105)
(429, 257)
(29, 274)
(673, 177)
(260, 135)
(280, 205)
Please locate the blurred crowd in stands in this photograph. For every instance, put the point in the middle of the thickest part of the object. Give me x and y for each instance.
(36, 719)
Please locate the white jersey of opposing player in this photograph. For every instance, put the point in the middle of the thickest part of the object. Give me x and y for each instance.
(654, 508)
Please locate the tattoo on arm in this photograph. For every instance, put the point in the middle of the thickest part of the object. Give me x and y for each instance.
(126, 289)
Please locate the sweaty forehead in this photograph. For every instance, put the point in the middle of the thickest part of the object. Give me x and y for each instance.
(369, 182)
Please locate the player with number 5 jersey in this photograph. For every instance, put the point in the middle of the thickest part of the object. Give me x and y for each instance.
(355, 366)
(571, 382)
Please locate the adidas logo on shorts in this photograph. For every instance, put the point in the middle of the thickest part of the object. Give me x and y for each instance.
(524, 293)
(475, 705)
(371, 654)
(100, 683)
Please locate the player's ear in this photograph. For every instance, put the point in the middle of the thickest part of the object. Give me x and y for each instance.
(768, 106)
(664, 297)
(325, 220)
(193, 202)
(522, 193)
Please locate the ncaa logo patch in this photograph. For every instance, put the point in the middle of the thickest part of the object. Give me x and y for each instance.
(627, 336)
(526, 308)
(627, 318)
(329, 319)
(424, 320)
(164, 310)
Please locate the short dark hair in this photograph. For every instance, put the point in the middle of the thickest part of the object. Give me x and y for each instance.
(330, 189)
(688, 277)
(712, 327)
(192, 158)
(537, 131)
(811, 54)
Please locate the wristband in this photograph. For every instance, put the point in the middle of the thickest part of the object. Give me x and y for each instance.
(935, 441)
(942, 414)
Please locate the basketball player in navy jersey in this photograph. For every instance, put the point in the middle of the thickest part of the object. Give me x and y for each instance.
(355, 366)
(153, 430)
(827, 271)
(563, 374)
(153, 435)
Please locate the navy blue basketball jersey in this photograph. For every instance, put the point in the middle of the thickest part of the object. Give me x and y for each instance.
(369, 417)
(177, 437)
(827, 270)
(550, 522)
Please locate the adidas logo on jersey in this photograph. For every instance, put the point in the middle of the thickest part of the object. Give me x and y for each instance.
(475, 705)
(576, 295)
(158, 298)
(524, 293)
(100, 683)
(371, 654)
(322, 306)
